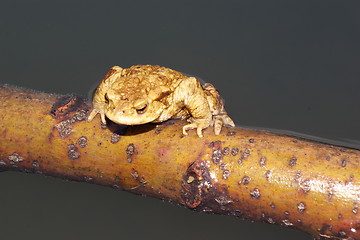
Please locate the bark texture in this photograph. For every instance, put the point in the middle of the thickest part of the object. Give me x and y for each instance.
(257, 175)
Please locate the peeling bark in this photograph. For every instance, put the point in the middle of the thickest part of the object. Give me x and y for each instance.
(277, 179)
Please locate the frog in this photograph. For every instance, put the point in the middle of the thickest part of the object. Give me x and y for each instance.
(144, 94)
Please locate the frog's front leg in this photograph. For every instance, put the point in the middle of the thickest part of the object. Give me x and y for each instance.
(98, 108)
(191, 94)
(99, 99)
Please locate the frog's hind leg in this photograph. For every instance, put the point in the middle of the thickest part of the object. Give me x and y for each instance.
(191, 94)
(216, 103)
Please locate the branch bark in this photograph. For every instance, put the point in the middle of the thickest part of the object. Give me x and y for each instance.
(256, 175)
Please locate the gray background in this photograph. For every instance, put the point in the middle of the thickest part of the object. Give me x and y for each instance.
(290, 65)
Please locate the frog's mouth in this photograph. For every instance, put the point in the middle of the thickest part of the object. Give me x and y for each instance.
(134, 116)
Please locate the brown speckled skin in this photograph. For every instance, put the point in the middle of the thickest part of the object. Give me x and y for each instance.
(150, 93)
(303, 184)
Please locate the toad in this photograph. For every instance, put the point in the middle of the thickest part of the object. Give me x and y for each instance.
(150, 93)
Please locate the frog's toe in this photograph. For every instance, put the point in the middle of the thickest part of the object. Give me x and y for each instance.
(184, 131)
(199, 128)
(221, 120)
(228, 121)
(217, 126)
(188, 127)
(103, 120)
(92, 114)
(199, 132)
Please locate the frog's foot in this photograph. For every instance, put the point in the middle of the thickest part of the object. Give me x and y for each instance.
(199, 124)
(94, 112)
(220, 120)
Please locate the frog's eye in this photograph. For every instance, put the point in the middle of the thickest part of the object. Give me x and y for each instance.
(141, 108)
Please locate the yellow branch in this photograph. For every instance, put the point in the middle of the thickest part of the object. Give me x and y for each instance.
(256, 175)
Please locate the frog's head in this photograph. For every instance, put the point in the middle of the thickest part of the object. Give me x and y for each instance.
(136, 105)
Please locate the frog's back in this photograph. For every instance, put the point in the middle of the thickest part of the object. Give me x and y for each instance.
(152, 76)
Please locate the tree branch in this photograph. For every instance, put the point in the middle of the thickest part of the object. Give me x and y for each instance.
(250, 174)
